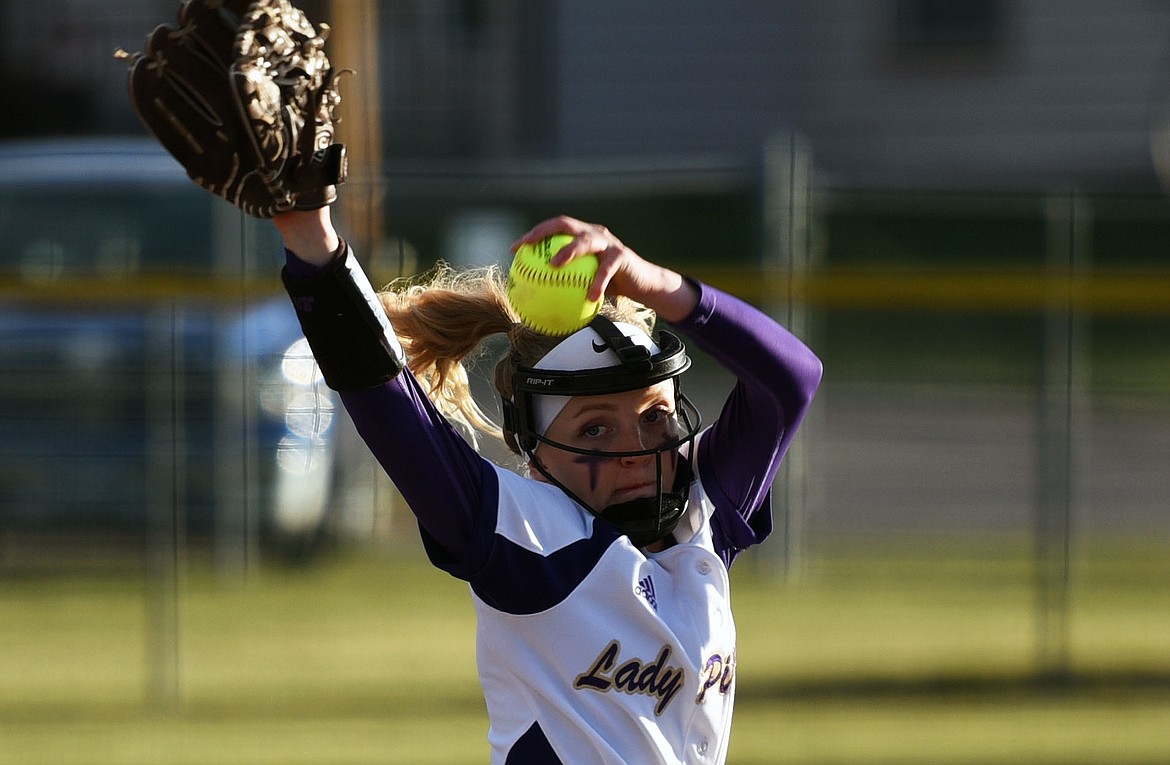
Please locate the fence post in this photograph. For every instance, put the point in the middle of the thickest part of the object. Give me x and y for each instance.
(165, 502)
(786, 258)
(1060, 422)
(235, 532)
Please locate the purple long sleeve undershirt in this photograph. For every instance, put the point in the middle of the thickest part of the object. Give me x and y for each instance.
(443, 478)
(776, 378)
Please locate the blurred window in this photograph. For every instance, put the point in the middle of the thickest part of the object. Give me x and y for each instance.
(936, 25)
(48, 234)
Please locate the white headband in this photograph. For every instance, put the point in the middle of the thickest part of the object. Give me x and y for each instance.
(584, 349)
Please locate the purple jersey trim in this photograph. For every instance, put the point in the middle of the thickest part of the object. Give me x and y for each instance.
(532, 749)
(548, 578)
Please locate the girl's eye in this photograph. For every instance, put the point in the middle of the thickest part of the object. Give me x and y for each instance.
(593, 431)
(661, 425)
(656, 416)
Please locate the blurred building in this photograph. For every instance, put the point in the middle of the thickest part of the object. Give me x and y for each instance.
(901, 93)
(904, 93)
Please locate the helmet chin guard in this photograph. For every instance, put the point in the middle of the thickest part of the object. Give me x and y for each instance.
(649, 519)
(644, 520)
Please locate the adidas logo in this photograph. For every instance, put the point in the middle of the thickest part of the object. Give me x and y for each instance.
(645, 588)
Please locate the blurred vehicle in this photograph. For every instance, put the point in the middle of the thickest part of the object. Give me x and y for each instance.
(153, 374)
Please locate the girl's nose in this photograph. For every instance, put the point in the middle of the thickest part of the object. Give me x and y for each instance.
(635, 460)
(635, 441)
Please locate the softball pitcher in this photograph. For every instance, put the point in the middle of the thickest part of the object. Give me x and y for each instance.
(599, 574)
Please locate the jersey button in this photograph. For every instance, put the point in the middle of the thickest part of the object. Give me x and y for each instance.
(701, 747)
(704, 568)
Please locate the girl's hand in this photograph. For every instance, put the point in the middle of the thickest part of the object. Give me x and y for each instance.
(621, 271)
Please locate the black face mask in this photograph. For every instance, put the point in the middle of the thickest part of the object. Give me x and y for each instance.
(645, 520)
(650, 519)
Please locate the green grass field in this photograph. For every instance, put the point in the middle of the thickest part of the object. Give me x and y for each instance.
(878, 653)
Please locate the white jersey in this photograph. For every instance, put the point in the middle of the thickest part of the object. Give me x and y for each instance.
(618, 656)
(589, 649)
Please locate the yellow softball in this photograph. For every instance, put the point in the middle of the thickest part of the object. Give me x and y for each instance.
(550, 300)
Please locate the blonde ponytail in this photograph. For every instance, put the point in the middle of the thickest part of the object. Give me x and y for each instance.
(443, 319)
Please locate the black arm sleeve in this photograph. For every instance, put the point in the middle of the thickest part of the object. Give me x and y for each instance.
(345, 325)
